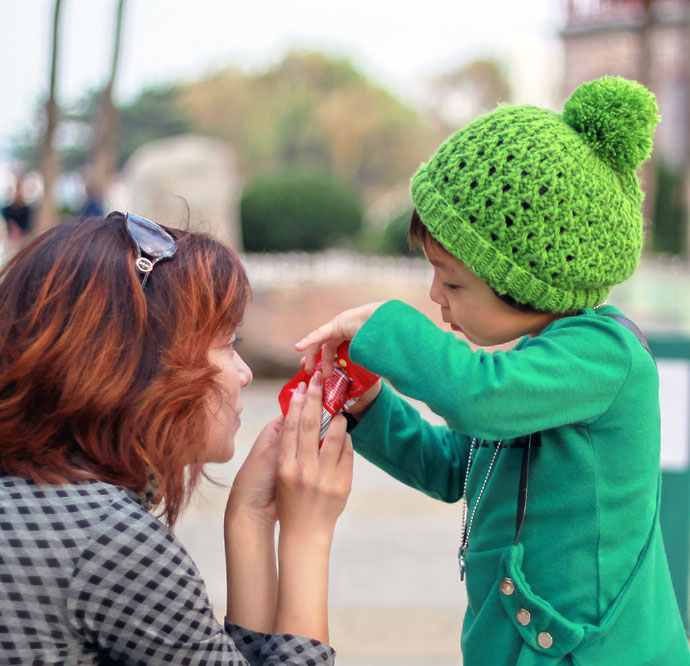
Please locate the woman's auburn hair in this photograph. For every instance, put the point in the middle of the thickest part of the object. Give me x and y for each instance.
(103, 379)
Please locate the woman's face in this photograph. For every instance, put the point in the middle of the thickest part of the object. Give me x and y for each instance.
(224, 418)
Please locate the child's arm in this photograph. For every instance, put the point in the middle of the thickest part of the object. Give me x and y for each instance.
(393, 436)
(571, 375)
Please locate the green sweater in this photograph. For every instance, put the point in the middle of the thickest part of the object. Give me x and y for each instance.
(590, 566)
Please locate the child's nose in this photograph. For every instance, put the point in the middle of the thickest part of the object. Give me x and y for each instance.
(436, 292)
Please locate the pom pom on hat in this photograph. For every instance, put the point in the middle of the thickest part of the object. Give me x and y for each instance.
(616, 117)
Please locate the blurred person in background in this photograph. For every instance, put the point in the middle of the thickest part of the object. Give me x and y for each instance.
(93, 205)
(119, 380)
(17, 216)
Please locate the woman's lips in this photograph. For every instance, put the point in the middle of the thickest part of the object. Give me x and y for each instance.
(455, 328)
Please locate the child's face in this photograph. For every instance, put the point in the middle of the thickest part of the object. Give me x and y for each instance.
(471, 307)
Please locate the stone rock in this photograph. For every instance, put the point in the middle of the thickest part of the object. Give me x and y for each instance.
(186, 177)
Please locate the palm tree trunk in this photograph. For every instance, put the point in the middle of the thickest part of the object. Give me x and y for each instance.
(47, 213)
(104, 155)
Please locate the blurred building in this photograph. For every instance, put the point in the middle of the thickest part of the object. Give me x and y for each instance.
(645, 40)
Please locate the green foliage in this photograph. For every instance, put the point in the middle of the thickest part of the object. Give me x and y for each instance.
(394, 238)
(298, 211)
(458, 95)
(155, 114)
(669, 215)
(312, 111)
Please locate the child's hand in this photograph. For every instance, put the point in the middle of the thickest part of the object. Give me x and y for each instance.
(327, 337)
(362, 404)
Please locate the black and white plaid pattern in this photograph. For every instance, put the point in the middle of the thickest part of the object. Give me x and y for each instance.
(87, 576)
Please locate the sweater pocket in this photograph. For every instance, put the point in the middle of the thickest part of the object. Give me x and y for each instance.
(548, 638)
(642, 626)
(491, 635)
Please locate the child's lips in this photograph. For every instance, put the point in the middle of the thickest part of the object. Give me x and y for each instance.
(453, 327)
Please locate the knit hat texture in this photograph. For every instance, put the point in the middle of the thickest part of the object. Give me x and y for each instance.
(545, 207)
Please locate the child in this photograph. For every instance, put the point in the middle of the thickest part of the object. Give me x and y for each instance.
(528, 218)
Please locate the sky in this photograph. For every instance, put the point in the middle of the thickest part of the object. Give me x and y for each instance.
(398, 43)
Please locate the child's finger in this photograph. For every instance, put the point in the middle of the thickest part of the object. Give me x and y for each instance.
(310, 420)
(310, 358)
(328, 352)
(316, 337)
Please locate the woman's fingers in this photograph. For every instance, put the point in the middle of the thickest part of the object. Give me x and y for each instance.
(310, 420)
(269, 434)
(347, 452)
(333, 442)
(290, 429)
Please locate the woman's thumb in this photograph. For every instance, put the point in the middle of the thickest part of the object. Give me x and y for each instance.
(269, 433)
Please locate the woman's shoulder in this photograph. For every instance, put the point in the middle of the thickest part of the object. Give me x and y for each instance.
(76, 497)
(76, 512)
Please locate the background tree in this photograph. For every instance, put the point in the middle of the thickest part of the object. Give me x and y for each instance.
(154, 114)
(312, 111)
(104, 156)
(47, 214)
(459, 95)
(297, 210)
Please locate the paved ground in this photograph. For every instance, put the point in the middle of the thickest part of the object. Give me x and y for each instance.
(395, 597)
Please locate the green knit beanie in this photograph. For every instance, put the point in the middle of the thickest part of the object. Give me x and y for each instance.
(545, 207)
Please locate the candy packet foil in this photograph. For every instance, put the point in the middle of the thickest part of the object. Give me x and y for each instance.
(348, 382)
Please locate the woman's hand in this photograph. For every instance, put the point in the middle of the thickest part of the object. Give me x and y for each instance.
(254, 489)
(327, 337)
(312, 488)
(312, 484)
(250, 517)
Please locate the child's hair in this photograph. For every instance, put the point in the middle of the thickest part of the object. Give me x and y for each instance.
(103, 378)
(419, 236)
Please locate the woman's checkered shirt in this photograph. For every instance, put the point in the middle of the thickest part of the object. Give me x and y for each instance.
(87, 576)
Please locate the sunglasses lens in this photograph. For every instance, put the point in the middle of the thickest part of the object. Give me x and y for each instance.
(152, 239)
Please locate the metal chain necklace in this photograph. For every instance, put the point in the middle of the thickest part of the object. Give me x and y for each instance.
(466, 529)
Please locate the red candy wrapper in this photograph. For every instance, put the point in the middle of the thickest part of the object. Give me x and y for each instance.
(348, 382)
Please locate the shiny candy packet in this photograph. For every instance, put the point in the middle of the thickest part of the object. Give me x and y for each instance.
(341, 390)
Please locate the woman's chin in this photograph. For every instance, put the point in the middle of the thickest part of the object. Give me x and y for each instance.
(222, 454)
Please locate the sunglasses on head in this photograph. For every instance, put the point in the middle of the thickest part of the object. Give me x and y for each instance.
(152, 242)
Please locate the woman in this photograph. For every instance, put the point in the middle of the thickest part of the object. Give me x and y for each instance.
(118, 380)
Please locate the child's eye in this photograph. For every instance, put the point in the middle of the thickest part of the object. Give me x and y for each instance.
(451, 287)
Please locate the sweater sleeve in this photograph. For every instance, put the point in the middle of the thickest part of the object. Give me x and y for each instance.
(137, 597)
(571, 373)
(394, 436)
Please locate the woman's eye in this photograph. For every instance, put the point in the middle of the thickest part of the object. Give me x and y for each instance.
(451, 287)
(233, 344)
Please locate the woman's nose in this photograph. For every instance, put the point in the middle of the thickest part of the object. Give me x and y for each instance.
(245, 372)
